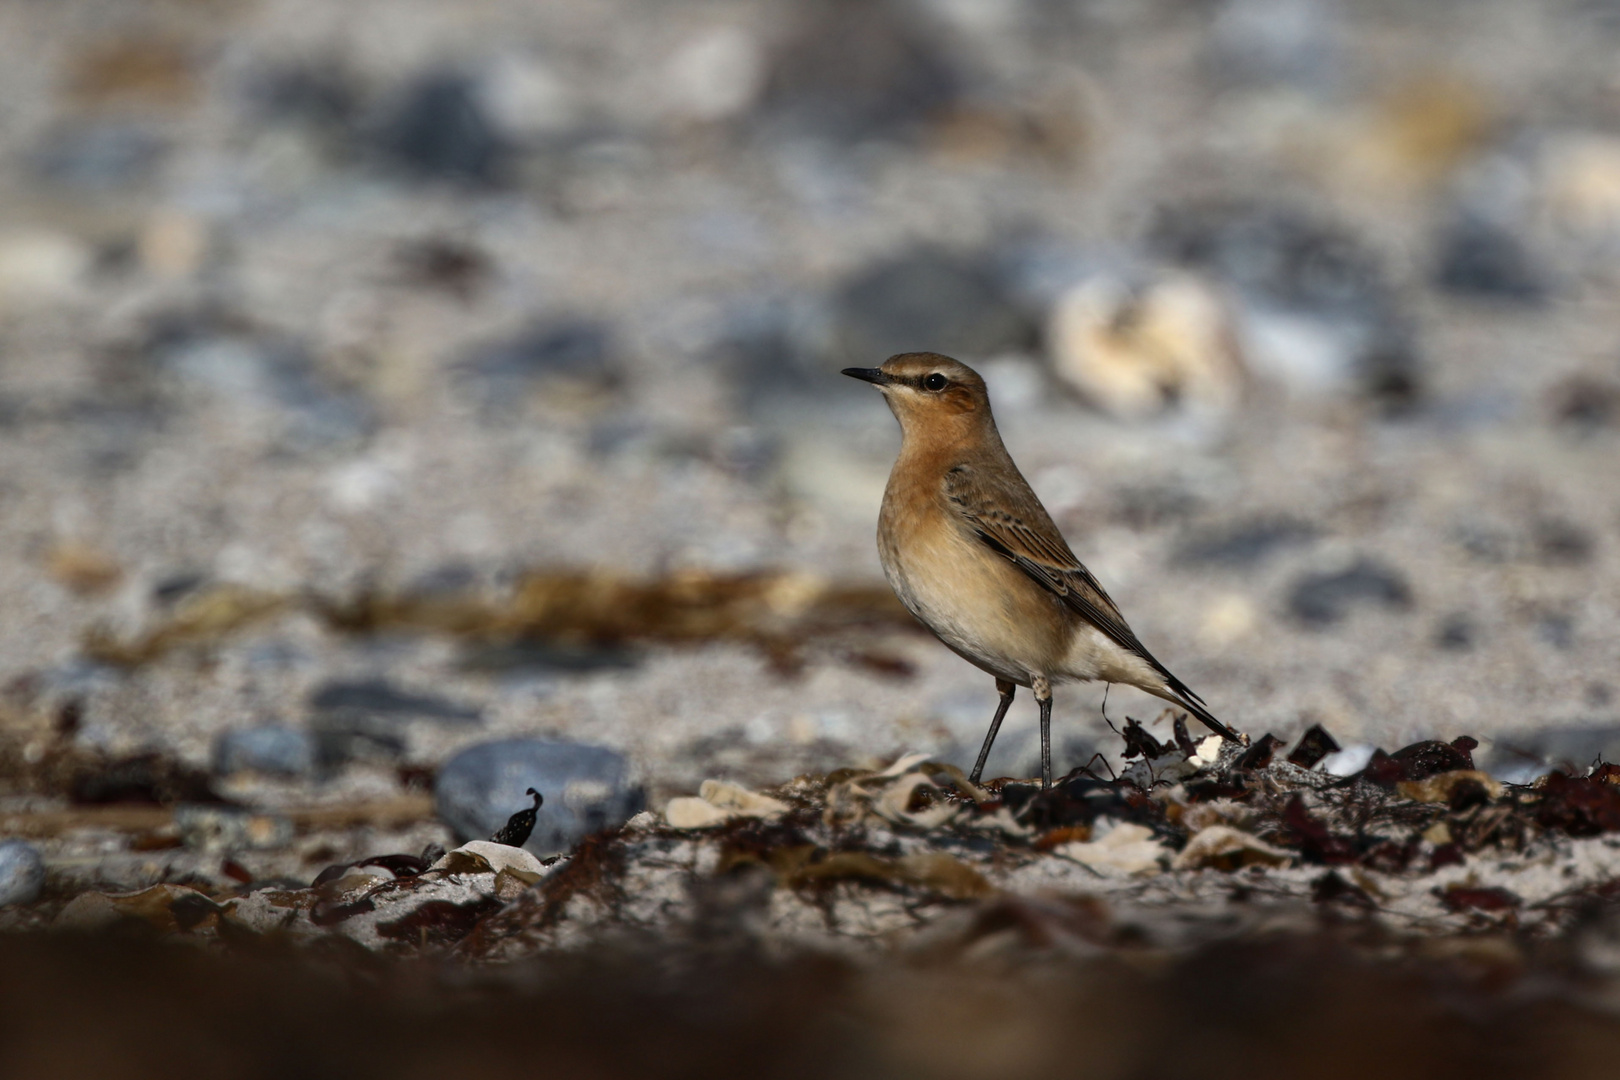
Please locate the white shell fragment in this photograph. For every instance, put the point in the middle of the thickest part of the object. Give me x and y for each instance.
(691, 812)
(740, 801)
(717, 802)
(1225, 848)
(498, 857)
(1125, 849)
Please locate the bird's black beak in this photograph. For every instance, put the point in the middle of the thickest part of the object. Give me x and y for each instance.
(868, 374)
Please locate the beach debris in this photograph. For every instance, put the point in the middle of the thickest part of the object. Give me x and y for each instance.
(515, 833)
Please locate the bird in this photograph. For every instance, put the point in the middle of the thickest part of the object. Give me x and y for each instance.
(971, 552)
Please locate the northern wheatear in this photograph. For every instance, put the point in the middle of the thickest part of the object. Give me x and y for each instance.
(971, 551)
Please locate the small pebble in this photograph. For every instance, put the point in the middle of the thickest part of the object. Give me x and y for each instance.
(277, 750)
(22, 873)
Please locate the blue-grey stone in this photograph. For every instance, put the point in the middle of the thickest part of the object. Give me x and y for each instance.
(1519, 757)
(440, 130)
(99, 157)
(1244, 544)
(1294, 270)
(268, 749)
(1480, 259)
(503, 374)
(366, 720)
(1319, 600)
(22, 873)
(930, 298)
(586, 789)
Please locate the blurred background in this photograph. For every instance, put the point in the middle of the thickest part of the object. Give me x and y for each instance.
(381, 379)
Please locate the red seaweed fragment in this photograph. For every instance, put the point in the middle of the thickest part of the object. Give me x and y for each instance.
(1446, 855)
(329, 913)
(1465, 898)
(1315, 745)
(438, 922)
(1419, 761)
(1429, 758)
(1579, 805)
(1184, 741)
(1259, 755)
(1331, 888)
(401, 866)
(1314, 839)
(1080, 800)
(1382, 770)
(1138, 743)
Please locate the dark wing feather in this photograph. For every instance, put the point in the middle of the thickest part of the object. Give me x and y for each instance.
(1034, 545)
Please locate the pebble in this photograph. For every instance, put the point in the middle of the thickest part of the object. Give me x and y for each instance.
(264, 377)
(99, 157)
(562, 351)
(441, 130)
(1480, 259)
(1319, 314)
(586, 789)
(716, 75)
(365, 720)
(1243, 545)
(22, 873)
(268, 749)
(929, 299)
(218, 830)
(1136, 350)
(1519, 757)
(38, 266)
(899, 78)
(1322, 599)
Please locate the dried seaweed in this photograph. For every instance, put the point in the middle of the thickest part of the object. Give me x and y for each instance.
(580, 613)
(438, 922)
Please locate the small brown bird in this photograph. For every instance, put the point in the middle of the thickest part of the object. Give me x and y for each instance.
(971, 552)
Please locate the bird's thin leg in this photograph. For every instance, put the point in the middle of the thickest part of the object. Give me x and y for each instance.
(1107, 686)
(1043, 698)
(1007, 690)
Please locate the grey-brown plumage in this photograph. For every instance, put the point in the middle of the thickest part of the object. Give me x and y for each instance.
(970, 550)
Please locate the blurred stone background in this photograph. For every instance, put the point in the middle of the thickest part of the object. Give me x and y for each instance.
(1300, 315)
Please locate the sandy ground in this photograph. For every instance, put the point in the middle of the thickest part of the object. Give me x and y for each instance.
(222, 361)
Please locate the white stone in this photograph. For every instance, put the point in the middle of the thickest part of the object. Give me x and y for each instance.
(1134, 351)
(37, 265)
(690, 812)
(717, 74)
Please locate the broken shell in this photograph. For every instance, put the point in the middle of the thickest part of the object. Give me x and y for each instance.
(496, 857)
(1439, 788)
(741, 802)
(1222, 847)
(1124, 849)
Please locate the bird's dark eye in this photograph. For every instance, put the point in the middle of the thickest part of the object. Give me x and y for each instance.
(935, 382)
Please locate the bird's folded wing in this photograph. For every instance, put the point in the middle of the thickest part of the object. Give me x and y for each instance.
(1032, 543)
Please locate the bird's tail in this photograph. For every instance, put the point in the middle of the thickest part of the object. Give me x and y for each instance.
(1189, 701)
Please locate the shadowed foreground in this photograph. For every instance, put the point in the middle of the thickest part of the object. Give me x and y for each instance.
(118, 1007)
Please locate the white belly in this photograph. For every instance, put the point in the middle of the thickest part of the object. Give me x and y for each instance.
(963, 607)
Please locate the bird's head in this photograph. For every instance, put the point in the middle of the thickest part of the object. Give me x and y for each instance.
(928, 392)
